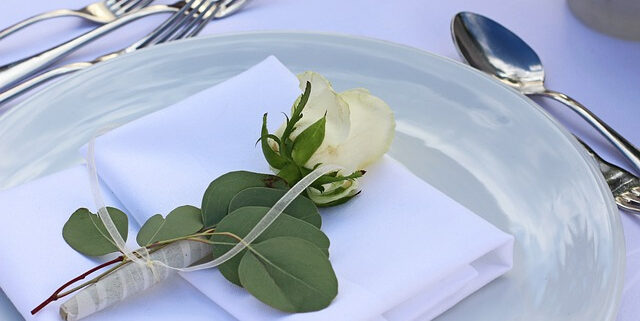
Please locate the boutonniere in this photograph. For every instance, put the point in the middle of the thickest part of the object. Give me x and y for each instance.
(261, 230)
(351, 129)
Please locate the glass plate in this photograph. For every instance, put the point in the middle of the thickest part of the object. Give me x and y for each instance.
(488, 147)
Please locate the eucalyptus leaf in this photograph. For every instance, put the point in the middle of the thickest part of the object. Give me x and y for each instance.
(242, 220)
(289, 274)
(308, 141)
(215, 202)
(182, 221)
(85, 232)
(301, 207)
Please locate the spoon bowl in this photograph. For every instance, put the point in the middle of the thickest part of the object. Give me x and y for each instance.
(494, 49)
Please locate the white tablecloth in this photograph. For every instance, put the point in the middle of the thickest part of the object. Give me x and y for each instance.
(598, 70)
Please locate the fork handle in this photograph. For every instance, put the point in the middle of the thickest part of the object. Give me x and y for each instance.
(41, 79)
(13, 72)
(37, 18)
(614, 175)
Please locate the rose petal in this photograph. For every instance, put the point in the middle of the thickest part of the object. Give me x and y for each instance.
(322, 100)
(370, 136)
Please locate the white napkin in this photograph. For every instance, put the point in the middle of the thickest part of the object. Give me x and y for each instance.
(36, 260)
(401, 250)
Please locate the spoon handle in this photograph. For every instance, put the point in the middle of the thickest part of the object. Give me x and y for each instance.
(631, 152)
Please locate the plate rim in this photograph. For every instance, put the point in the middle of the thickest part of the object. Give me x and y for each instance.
(613, 215)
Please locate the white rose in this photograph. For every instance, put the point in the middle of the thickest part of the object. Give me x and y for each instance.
(358, 130)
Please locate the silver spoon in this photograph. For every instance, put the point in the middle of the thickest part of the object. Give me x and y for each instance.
(494, 49)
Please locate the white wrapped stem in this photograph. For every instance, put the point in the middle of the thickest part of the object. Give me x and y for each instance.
(132, 279)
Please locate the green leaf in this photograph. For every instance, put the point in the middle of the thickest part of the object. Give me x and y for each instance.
(296, 113)
(289, 274)
(339, 201)
(182, 221)
(215, 202)
(308, 141)
(242, 220)
(85, 232)
(334, 177)
(301, 208)
(274, 159)
(290, 173)
(302, 102)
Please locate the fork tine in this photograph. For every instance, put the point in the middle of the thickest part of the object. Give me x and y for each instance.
(148, 40)
(636, 190)
(127, 7)
(204, 23)
(632, 197)
(117, 4)
(145, 3)
(631, 206)
(138, 5)
(194, 27)
(185, 19)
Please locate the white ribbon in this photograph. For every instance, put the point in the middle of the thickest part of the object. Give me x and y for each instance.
(269, 218)
(260, 227)
(103, 214)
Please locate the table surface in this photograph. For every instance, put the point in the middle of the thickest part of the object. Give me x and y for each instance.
(596, 69)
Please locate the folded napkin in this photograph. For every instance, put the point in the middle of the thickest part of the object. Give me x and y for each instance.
(36, 260)
(401, 250)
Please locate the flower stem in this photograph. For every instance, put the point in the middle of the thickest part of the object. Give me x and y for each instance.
(94, 280)
(56, 295)
(187, 237)
(121, 260)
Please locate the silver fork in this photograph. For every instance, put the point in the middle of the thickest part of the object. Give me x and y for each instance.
(624, 185)
(183, 24)
(13, 73)
(100, 12)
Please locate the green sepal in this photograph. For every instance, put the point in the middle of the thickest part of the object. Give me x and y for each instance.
(338, 201)
(308, 141)
(296, 115)
(273, 158)
(290, 173)
(334, 177)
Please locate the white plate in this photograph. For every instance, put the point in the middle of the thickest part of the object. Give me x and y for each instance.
(483, 144)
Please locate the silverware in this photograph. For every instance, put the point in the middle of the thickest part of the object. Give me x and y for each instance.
(22, 69)
(624, 185)
(100, 12)
(492, 48)
(171, 29)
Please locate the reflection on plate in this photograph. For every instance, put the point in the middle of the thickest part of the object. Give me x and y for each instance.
(484, 145)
